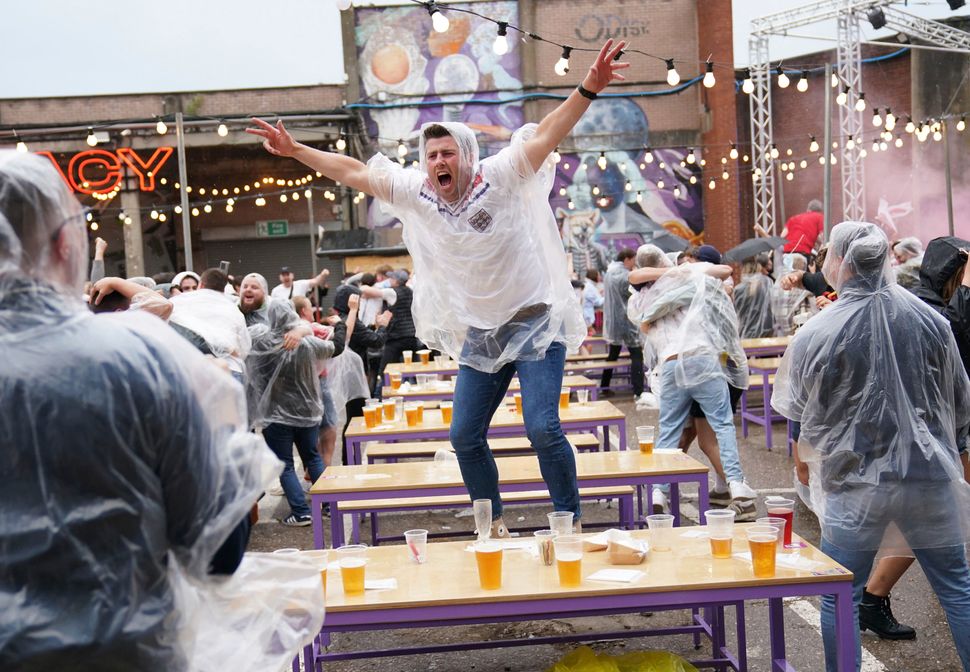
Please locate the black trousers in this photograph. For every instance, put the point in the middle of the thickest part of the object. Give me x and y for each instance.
(636, 368)
(394, 352)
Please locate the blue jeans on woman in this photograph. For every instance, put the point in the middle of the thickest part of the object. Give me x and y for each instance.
(280, 439)
(478, 395)
(948, 574)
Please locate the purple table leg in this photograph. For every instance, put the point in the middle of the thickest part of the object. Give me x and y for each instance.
(316, 513)
(766, 395)
(744, 414)
(742, 637)
(336, 525)
(846, 628)
(621, 431)
(776, 628)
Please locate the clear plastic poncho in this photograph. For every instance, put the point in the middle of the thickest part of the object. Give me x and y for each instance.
(788, 304)
(494, 284)
(128, 463)
(216, 318)
(752, 300)
(283, 385)
(617, 327)
(690, 315)
(877, 384)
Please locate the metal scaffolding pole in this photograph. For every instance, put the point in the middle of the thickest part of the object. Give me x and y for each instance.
(850, 118)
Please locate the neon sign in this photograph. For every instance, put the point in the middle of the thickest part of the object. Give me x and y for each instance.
(98, 171)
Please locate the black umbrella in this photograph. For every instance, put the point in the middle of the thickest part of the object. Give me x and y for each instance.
(665, 240)
(752, 248)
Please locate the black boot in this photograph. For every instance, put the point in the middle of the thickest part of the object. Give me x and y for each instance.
(876, 614)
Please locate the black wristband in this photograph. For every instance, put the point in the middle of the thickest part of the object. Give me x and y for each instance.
(585, 93)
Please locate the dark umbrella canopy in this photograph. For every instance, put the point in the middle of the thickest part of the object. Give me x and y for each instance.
(666, 241)
(752, 248)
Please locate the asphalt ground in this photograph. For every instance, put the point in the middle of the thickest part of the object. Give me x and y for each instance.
(769, 472)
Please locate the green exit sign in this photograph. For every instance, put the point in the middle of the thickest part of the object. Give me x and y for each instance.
(273, 228)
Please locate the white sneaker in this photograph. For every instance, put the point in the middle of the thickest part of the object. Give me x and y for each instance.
(743, 501)
(646, 401)
(659, 501)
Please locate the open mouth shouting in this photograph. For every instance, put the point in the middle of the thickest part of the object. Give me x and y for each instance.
(445, 180)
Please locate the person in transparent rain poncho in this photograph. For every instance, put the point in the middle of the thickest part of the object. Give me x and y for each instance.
(883, 400)
(128, 469)
(752, 300)
(284, 399)
(494, 290)
(617, 328)
(692, 337)
(908, 253)
(791, 307)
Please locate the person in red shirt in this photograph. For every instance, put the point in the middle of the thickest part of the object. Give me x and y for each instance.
(802, 230)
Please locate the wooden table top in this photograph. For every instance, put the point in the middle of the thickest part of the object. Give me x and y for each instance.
(450, 576)
(448, 387)
(505, 416)
(765, 363)
(511, 470)
(774, 342)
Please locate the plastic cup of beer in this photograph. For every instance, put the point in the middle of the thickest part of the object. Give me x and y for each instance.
(662, 529)
(561, 522)
(544, 539)
(425, 356)
(321, 557)
(779, 507)
(569, 560)
(564, 398)
(420, 406)
(408, 356)
(372, 413)
(645, 436)
(417, 544)
(780, 523)
(582, 396)
(720, 531)
(518, 402)
(446, 409)
(411, 413)
(389, 409)
(488, 557)
(353, 561)
(763, 542)
(395, 381)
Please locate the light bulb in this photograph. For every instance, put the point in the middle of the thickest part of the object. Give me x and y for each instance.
(774, 151)
(890, 119)
(835, 80)
(260, 202)
(21, 146)
(341, 144)
(673, 77)
(596, 190)
(850, 144)
(92, 139)
(439, 21)
(343, 5)
(562, 191)
(712, 185)
(803, 164)
(690, 156)
(570, 204)
(562, 65)
(501, 44)
(153, 214)
(296, 196)
(790, 176)
(601, 162)
(228, 208)
(307, 194)
(223, 130)
(283, 198)
(94, 226)
(556, 156)
(639, 197)
(161, 128)
(875, 146)
(783, 80)
(910, 126)
(162, 217)
(195, 212)
(178, 209)
(802, 85)
(734, 151)
(628, 186)
(660, 184)
(402, 149)
(863, 153)
(937, 136)
(207, 208)
(821, 160)
(876, 119)
(693, 179)
(843, 96)
(860, 104)
(648, 157)
(709, 80)
(677, 191)
(899, 142)
(833, 160)
(725, 175)
(961, 125)
(747, 85)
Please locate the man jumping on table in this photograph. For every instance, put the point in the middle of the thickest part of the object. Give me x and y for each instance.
(493, 289)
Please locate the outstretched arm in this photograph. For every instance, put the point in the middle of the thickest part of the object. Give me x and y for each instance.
(557, 124)
(344, 169)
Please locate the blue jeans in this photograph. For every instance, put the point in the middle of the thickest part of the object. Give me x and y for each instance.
(948, 574)
(478, 395)
(280, 439)
(713, 397)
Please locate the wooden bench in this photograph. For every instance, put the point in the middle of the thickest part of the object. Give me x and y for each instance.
(512, 445)
(623, 495)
